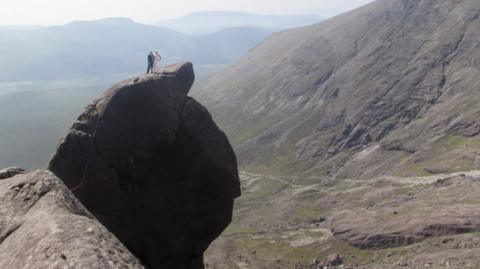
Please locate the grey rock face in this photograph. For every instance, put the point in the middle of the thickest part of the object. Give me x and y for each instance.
(43, 225)
(152, 166)
(400, 231)
(334, 260)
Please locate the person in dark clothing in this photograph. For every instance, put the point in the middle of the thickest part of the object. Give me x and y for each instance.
(151, 60)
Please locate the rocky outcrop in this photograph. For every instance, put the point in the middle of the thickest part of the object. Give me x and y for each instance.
(152, 166)
(10, 172)
(445, 207)
(370, 236)
(43, 225)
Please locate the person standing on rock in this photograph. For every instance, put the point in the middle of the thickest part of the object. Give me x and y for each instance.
(151, 60)
(156, 64)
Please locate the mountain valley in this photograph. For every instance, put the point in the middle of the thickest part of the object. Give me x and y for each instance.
(359, 141)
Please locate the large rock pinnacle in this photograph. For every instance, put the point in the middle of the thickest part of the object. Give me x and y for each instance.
(149, 162)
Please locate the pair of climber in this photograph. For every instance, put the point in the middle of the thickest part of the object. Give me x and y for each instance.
(154, 63)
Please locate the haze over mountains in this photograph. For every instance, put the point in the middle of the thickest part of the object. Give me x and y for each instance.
(120, 45)
(116, 45)
(213, 21)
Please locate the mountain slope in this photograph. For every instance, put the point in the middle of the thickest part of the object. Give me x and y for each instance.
(389, 88)
(229, 44)
(213, 21)
(114, 45)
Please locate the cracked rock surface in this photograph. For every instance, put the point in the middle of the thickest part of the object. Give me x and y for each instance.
(43, 225)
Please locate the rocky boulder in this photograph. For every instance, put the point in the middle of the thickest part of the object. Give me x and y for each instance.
(149, 162)
(43, 225)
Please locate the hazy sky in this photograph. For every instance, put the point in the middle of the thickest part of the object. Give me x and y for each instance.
(46, 12)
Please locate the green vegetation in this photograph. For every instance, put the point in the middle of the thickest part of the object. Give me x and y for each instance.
(279, 250)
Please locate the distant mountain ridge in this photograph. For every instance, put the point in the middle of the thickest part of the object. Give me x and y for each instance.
(113, 45)
(213, 21)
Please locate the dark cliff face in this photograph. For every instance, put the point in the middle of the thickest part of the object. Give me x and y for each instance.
(377, 90)
(152, 166)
